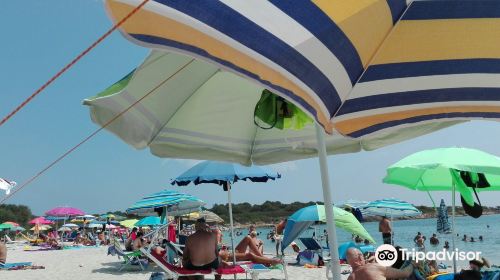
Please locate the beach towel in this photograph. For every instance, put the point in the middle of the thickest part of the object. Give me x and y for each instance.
(20, 266)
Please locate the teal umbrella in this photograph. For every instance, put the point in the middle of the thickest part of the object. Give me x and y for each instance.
(149, 221)
(6, 226)
(299, 221)
(446, 169)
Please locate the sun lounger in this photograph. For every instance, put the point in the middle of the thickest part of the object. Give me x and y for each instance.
(10, 241)
(174, 272)
(129, 259)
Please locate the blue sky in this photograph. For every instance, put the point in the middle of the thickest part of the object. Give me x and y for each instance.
(39, 37)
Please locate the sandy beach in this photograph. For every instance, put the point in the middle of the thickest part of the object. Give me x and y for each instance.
(93, 263)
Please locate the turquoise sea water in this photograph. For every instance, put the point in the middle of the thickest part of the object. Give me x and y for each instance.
(405, 231)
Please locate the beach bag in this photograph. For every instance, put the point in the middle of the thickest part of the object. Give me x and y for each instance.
(473, 180)
(273, 111)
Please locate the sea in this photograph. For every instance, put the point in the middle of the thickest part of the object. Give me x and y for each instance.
(406, 230)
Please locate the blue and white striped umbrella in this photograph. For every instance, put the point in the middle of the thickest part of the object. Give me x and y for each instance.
(391, 208)
(175, 202)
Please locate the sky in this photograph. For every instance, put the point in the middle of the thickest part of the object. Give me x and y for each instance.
(105, 174)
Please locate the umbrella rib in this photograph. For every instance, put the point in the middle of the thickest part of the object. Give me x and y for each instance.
(184, 102)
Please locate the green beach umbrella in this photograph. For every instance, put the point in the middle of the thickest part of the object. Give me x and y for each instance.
(129, 223)
(439, 170)
(6, 226)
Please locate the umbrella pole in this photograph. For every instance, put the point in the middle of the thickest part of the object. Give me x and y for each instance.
(231, 222)
(392, 231)
(327, 196)
(453, 226)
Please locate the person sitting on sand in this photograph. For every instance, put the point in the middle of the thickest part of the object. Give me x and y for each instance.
(200, 252)
(372, 271)
(434, 240)
(3, 253)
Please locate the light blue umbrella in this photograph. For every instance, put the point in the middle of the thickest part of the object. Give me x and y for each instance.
(166, 201)
(224, 174)
(393, 208)
(149, 221)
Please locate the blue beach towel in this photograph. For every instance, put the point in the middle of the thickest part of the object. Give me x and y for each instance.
(12, 265)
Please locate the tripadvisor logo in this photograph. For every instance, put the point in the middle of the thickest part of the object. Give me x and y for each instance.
(387, 255)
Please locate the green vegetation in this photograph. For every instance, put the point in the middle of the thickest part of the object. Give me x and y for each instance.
(20, 214)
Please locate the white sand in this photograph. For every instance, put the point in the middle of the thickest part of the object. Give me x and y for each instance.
(93, 263)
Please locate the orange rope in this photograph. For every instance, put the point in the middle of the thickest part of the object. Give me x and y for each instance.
(74, 61)
(92, 135)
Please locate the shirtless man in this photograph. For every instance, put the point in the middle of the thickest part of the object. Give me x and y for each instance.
(3, 253)
(200, 252)
(138, 243)
(386, 229)
(371, 271)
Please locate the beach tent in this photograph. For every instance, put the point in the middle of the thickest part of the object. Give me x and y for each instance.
(224, 174)
(442, 169)
(406, 79)
(303, 218)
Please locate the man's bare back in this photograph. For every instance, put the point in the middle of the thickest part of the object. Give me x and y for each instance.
(201, 247)
(370, 271)
(385, 226)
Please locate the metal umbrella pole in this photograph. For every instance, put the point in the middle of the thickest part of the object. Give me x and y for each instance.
(327, 196)
(231, 221)
(453, 188)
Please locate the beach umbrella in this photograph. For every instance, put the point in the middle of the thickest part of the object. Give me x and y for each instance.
(129, 223)
(149, 221)
(209, 216)
(64, 212)
(71, 225)
(303, 218)
(442, 169)
(12, 223)
(443, 225)
(403, 80)
(64, 229)
(166, 202)
(224, 174)
(18, 229)
(40, 227)
(6, 226)
(7, 186)
(391, 208)
(40, 221)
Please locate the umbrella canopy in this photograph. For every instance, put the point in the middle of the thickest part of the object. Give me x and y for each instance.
(129, 223)
(303, 218)
(40, 221)
(64, 229)
(7, 186)
(175, 202)
(18, 229)
(71, 225)
(210, 217)
(12, 223)
(94, 225)
(64, 212)
(6, 226)
(327, 66)
(443, 225)
(392, 208)
(432, 170)
(221, 172)
(148, 221)
(40, 227)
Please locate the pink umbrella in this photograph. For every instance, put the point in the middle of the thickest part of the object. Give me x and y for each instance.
(64, 212)
(40, 221)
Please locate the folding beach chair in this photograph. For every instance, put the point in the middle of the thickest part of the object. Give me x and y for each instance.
(313, 245)
(128, 258)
